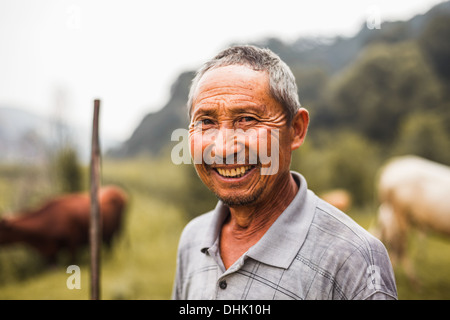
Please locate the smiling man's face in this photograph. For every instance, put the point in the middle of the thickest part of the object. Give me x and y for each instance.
(229, 102)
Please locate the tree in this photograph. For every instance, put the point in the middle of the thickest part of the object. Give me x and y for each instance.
(339, 159)
(435, 43)
(385, 84)
(424, 134)
(68, 170)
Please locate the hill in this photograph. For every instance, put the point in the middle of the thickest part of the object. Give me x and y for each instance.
(26, 137)
(153, 133)
(317, 63)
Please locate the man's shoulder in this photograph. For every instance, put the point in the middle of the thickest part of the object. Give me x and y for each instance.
(348, 253)
(334, 237)
(337, 224)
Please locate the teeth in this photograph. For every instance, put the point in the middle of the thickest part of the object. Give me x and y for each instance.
(235, 172)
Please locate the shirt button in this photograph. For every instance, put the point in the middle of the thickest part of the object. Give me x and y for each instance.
(223, 284)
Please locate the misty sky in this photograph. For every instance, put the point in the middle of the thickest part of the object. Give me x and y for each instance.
(56, 56)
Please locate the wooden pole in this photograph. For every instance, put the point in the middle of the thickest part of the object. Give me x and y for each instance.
(95, 225)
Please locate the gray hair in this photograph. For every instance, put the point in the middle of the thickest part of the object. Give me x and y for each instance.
(281, 80)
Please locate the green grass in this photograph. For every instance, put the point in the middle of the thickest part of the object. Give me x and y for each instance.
(141, 264)
(431, 260)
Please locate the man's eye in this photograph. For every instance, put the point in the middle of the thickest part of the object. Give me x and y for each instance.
(203, 122)
(247, 119)
(206, 121)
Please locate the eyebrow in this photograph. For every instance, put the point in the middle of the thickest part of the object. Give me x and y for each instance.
(205, 111)
(211, 110)
(249, 109)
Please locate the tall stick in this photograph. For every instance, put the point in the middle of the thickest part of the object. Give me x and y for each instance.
(95, 225)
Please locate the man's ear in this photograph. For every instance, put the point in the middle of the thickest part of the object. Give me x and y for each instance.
(299, 128)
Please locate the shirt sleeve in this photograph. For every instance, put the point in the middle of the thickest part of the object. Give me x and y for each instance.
(367, 274)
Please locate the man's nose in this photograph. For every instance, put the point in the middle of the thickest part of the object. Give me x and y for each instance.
(226, 146)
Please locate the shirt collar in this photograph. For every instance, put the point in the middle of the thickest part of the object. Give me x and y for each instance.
(280, 244)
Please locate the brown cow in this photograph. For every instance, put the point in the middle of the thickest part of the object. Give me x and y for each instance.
(63, 223)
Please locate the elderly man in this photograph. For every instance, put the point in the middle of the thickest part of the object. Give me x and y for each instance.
(269, 237)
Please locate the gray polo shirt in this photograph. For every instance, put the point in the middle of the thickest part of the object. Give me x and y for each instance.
(312, 251)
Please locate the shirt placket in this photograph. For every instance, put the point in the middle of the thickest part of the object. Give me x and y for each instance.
(222, 283)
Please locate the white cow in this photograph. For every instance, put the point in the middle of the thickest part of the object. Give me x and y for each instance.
(414, 192)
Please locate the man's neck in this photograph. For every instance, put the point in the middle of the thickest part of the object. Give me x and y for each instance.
(247, 224)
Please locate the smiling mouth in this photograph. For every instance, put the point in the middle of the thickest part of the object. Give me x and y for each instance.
(234, 172)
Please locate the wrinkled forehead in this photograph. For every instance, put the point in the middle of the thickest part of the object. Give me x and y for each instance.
(231, 81)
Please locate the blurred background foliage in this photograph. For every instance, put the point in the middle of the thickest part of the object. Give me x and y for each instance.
(376, 95)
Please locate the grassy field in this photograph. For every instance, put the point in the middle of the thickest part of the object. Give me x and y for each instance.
(141, 264)
(431, 260)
